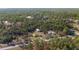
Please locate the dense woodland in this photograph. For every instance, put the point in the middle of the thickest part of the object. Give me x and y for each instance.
(34, 27)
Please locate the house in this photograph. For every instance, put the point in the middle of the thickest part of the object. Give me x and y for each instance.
(37, 30)
(51, 32)
(29, 17)
(69, 20)
(18, 24)
(7, 23)
(45, 17)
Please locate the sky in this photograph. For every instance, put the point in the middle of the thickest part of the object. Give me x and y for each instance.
(39, 3)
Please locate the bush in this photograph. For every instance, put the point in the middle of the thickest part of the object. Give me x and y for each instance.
(38, 43)
(54, 44)
(62, 43)
(6, 39)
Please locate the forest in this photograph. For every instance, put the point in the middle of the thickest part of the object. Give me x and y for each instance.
(39, 28)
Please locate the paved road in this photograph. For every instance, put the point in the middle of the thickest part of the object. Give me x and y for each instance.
(10, 47)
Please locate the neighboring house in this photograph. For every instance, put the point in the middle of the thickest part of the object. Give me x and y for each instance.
(51, 32)
(37, 30)
(18, 24)
(45, 17)
(7, 23)
(29, 17)
(70, 20)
